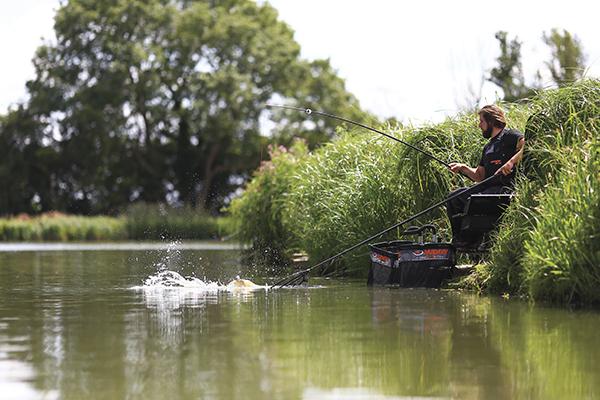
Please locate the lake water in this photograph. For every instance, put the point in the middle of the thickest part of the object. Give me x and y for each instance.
(157, 321)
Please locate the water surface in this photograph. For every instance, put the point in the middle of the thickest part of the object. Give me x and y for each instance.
(87, 323)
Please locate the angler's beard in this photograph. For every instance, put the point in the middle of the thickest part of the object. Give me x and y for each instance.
(488, 132)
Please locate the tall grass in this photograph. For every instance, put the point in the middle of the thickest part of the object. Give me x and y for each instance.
(562, 254)
(545, 247)
(362, 183)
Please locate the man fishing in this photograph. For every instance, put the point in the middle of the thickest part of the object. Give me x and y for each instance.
(499, 157)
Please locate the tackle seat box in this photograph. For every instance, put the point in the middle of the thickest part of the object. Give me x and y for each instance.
(483, 211)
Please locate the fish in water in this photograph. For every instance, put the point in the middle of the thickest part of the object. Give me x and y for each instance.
(242, 283)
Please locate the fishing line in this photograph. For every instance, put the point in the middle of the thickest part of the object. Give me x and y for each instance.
(309, 112)
(302, 276)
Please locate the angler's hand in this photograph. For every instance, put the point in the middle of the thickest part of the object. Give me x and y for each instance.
(506, 168)
(456, 167)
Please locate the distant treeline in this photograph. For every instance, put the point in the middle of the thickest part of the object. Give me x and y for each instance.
(547, 247)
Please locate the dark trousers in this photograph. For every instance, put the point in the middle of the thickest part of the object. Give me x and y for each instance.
(457, 206)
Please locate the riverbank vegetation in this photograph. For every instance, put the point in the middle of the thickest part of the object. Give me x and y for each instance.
(547, 246)
(140, 222)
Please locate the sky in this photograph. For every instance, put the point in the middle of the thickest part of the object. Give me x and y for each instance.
(417, 61)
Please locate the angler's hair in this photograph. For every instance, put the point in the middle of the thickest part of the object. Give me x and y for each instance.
(492, 114)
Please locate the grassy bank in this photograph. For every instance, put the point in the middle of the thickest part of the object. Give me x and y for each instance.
(547, 247)
(141, 222)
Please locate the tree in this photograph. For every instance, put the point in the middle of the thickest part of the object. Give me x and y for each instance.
(161, 99)
(567, 63)
(508, 75)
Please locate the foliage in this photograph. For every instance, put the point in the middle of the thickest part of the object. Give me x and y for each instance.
(508, 75)
(258, 216)
(154, 101)
(356, 186)
(562, 254)
(546, 246)
(154, 222)
(567, 63)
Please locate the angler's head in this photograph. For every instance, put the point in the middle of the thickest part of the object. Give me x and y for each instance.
(491, 118)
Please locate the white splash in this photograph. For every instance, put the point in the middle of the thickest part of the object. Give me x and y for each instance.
(167, 283)
(172, 279)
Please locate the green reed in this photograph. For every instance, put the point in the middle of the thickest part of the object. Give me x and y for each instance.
(543, 247)
(141, 221)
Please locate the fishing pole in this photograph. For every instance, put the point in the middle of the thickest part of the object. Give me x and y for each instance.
(301, 276)
(309, 111)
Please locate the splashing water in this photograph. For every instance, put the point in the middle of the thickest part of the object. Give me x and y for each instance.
(167, 278)
(171, 279)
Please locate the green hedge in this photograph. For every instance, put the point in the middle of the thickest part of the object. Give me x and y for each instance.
(141, 221)
(62, 228)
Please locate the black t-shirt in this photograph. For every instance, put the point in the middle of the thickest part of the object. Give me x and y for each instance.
(498, 151)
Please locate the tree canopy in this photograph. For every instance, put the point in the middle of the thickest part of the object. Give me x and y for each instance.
(566, 65)
(157, 100)
(568, 60)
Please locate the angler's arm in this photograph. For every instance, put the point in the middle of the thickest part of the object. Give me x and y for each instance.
(514, 160)
(476, 174)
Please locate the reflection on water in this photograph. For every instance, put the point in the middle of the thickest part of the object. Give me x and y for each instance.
(354, 394)
(166, 324)
(125, 246)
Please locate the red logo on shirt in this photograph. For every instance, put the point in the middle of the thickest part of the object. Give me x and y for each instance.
(496, 162)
